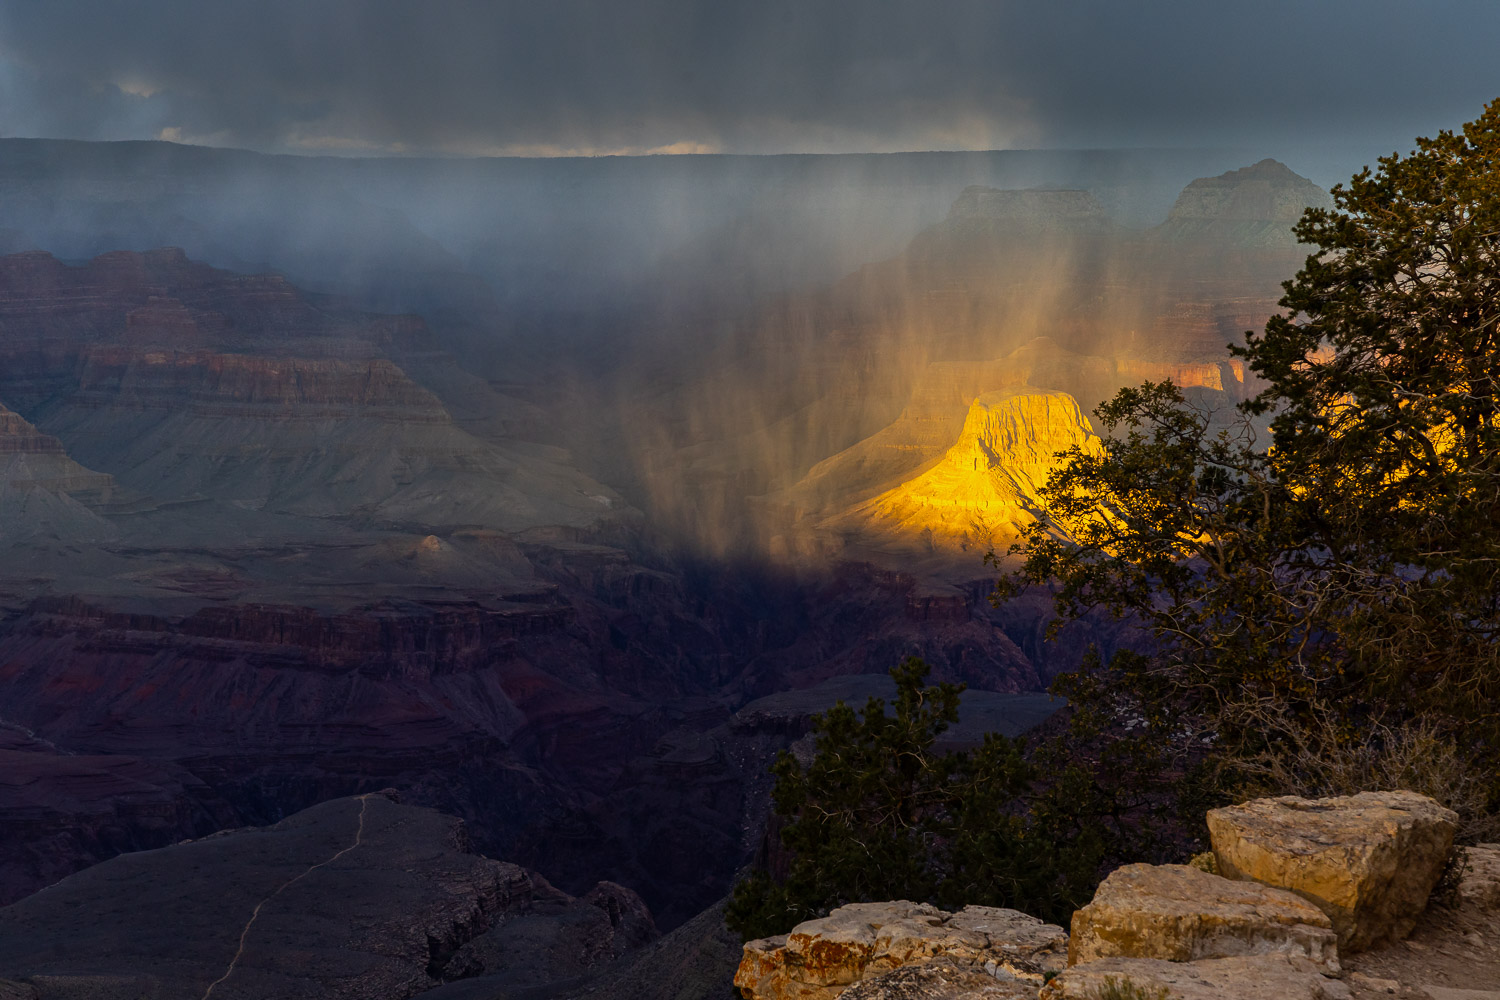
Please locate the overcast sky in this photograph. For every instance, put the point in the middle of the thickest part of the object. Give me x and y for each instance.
(573, 76)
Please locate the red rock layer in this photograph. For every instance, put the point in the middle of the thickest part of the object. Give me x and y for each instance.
(212, 384)
(161, 298)
(18, 437)
(413, 641)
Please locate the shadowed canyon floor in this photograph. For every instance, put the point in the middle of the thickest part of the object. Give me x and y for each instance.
(357, 897)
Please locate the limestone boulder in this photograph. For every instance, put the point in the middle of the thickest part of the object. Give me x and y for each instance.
(1369, 860)
(1244, 977)
(820, 959)
(1181, 914)
(1480, 887)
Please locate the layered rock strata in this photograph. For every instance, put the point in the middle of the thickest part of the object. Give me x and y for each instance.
(1369, 860)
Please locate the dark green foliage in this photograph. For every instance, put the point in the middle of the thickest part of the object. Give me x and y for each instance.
(1326, 610)
(877, 815)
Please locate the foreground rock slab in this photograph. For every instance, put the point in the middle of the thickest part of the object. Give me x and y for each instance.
(1181, 914)
(1255, 977)
(820, 959)
(1369, 860)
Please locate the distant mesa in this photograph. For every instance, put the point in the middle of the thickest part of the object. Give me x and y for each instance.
(1257, 205)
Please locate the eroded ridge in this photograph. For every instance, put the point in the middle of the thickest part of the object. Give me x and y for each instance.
(359, 833)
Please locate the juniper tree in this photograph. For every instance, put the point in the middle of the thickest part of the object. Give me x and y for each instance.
(879, 814)
(1321, 584)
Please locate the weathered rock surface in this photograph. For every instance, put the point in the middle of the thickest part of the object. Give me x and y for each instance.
(1252, 977)
(556, 937)
(819, 959)
(358, 898)
(1369, 860)
(1480, 886)
(1181, 914)
(941, 979)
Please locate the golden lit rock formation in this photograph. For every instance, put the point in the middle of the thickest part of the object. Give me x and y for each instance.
(986, 487)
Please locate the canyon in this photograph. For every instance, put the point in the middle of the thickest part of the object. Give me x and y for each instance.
(282, 523)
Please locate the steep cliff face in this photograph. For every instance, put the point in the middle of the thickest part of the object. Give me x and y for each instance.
(986, 488)
(582, 726)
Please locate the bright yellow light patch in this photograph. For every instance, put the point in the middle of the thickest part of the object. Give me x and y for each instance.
(987, 487)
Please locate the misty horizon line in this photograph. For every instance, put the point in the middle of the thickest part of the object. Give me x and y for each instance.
(618, 155)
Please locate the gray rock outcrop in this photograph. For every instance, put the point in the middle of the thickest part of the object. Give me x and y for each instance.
(820, 959)
(1252, 977)
(1480, 886)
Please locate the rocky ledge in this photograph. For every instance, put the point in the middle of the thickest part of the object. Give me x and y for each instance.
(821, 959)
(1304, 888)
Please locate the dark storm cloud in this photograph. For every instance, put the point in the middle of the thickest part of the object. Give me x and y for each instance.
(615, 75)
